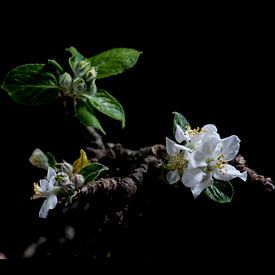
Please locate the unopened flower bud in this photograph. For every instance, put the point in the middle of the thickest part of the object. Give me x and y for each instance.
(91, 74)
(39, 159)
(62, 179)
(79, 85)
(65, 81)
(82, 68)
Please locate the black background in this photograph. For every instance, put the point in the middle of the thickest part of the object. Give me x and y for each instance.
(213, 64)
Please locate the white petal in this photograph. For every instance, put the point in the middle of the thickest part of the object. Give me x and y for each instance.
(170, 147)
(180, 135)
(183, 148)
(210, 147)
(192, 177)
(49, 203)
(217, 151)
(173, 148)
(51, 185)
(209, 132)
(44, 184)
(198, 188)
(43, 212)
(52, 201)
(173, 176)
(196, 159)
(51, 173)
(47, 186)
(231, 146)
(228, 173)
(210, 128)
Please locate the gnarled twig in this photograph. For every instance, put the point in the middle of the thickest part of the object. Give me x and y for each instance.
(254, 177)
(129, 183)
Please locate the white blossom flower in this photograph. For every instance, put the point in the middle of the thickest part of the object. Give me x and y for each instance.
(205, 156)
(176, 160)
(178, 155)
(47, 189)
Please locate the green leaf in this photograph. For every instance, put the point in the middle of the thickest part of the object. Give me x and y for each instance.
(108, 105)
(92, 171)
(55, 65)
(30, 84)
(114, 61)
(220, 191)
(75, 58)
(180, 120)
(51, 159)
(86, 115)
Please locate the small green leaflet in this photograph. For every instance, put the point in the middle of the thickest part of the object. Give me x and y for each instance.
(56, 66)
(51, 159)
(92, 171)
(86, 115)
(108, 105)
(180, 120)
(114, 61)
(220, 191)
(75, 58)
(31, 84)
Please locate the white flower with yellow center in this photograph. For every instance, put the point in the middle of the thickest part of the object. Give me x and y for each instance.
(176, 160)
(47, 189)
(206, 157)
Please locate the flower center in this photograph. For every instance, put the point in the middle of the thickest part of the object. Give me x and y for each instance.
(218, 164)
(43, 194)
(176, 162)
(195, 131)
(221, 162)
(37, 192)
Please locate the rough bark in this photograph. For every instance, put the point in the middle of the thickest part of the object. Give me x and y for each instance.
(254, 177)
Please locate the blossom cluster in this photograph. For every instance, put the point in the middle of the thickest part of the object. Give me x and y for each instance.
(62, 179)
(200, 156)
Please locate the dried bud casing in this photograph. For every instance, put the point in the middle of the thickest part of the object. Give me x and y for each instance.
(78, 180)
(39, 159)
(66, 167)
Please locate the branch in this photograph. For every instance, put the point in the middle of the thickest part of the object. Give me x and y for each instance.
(96, 138)
(115, 151)
(122, 189)
(128, 185)
(255, 178)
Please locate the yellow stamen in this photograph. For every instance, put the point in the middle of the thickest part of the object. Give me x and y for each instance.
(176, 162)
(37, 192)
(221, 162)
(195, 131)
